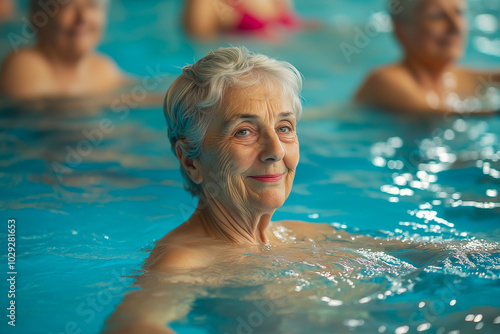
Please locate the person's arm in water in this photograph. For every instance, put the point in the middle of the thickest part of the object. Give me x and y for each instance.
(324, 231)
(166, 293)
(151, 309)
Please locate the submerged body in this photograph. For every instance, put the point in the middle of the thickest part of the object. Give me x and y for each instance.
(190, 247)
(308, 273)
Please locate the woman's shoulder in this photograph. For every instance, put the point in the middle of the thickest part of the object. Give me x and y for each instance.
(302, 229)
(174, 256)
(103, 62)
(387, 74)
(23, 61)
(380, 79)
(21, 72)
(107, 69)
(179, 249)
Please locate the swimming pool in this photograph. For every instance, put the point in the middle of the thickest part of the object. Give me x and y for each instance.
(85, 221)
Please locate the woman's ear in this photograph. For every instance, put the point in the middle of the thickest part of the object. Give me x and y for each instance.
(191, 166)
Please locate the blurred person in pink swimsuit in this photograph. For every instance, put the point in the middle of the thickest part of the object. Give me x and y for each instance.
(205, 18)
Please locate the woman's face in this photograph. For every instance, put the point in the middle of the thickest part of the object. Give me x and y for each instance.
(251, 150)
(437, 30)
(77, 26)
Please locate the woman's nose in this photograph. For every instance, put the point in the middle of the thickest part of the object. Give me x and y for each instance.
(455, 23)
(80, 12)
(272, 148)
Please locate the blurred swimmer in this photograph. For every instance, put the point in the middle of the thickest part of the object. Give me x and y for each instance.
(63, 61)
(432, 34)
(6, 10)
(205, 18)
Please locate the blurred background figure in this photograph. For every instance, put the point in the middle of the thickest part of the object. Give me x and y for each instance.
(63, 61)
(6, 10)
(432, 34)
(205, 18)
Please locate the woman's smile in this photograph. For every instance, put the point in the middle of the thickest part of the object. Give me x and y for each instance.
(268, 178)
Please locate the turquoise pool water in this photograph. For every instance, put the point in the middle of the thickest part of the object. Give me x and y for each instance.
(86, 222)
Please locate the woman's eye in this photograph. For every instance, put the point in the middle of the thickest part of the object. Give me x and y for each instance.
(285, 129)
(435, 15)
(243, 132)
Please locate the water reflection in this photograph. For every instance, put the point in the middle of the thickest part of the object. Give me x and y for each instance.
(455, 166)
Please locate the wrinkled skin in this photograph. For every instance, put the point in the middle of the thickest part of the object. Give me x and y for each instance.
(249, 135)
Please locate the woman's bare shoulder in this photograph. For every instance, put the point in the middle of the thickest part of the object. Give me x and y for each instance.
(301, 228)
(175, 256)
(23, 73)
(108, 70)
(179, 249)
(24, 62)
(381, 79)
(104, 62)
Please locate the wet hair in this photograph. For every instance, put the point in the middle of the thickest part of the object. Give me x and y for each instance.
(199, 90)
(401, 10)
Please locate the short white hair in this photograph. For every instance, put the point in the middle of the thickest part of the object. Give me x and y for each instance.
(198, 91)
(402, 9)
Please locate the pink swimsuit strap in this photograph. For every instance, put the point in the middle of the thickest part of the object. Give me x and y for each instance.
(250, 22)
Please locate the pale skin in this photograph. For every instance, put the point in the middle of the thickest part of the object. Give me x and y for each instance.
(432, 37)
(205, 18)
(63, 62)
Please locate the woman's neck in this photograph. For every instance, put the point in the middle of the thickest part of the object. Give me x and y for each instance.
(223, 223)
(430, 76)
(60, 62)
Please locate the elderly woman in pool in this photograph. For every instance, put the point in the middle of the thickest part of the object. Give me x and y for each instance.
(232, 119)
(432, 34)
(63, 61)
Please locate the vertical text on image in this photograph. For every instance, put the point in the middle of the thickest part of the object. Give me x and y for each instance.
(11, 273)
